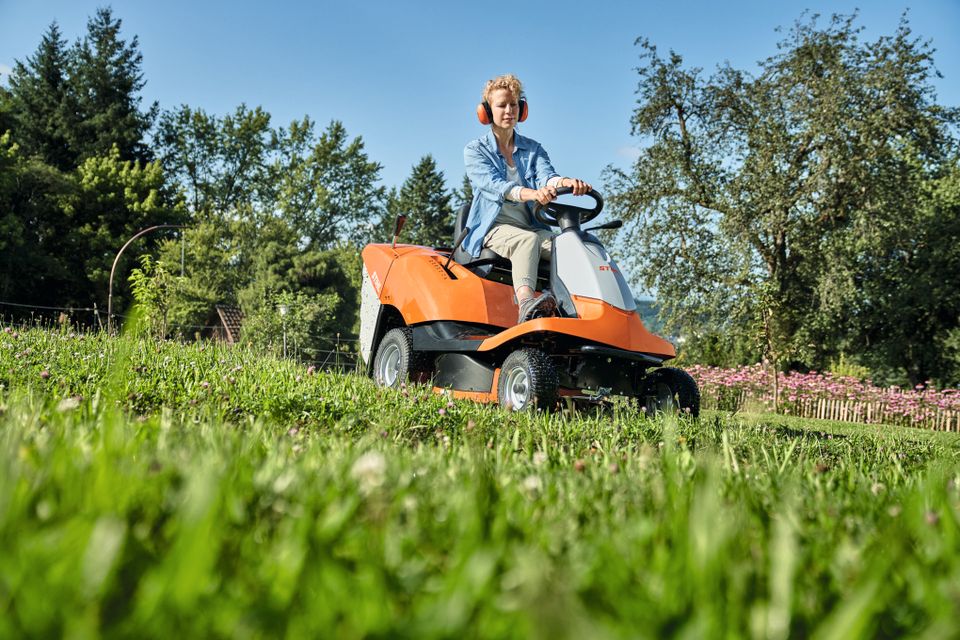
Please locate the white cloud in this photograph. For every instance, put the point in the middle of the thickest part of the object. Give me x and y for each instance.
(4, 71)
(629, 153)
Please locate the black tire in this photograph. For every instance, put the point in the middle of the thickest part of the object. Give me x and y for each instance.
(669, 389)
(396, 362)
(528, 380)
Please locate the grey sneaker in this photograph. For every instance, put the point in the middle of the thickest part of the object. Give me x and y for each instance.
(543, 307)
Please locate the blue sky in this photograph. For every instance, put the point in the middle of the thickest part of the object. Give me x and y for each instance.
(406, 76)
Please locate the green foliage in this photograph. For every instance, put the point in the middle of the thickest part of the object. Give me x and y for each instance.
(843, 367)
(464, 195)
(113, 200)
(61, 231)
(950, 347)
(213, 273)
(41, 99)
(106, 83)
(32, 228)
(424, 200)
(298, 322)
(238, 265)
(73, 103)
(153, 288)
(770, 205)
(718, 349)
(209, 491)
(912, 295)
(220, 163)
(240, 168)
(327, 186)
(320, 288)
(274, 209)
(74, 184)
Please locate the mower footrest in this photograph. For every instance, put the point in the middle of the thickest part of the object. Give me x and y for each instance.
(448, 336)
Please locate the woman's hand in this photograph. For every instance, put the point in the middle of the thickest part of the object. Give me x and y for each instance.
(579, 186)
(544, 196)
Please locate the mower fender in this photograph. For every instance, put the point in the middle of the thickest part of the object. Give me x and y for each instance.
(598, 323)
(424, 288)
(377, 262)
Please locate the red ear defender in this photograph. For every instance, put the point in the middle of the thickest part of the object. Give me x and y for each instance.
(523, 110)
(484, 113)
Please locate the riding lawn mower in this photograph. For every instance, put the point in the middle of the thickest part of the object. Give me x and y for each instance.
(446, 318)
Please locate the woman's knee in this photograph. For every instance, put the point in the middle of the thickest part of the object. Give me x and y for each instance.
(528, 241)
(527, 244)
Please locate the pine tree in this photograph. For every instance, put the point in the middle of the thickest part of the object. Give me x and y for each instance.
(465, 194)
(107, 80)
(425, 201)
(40, 102)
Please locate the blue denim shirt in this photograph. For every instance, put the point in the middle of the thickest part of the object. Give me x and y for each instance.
(487, 171)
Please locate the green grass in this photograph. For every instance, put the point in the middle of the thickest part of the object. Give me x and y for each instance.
(161, 490)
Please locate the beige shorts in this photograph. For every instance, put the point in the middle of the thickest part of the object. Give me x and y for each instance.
(523, 247)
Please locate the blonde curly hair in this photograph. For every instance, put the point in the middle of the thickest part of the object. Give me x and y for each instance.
(507, 81)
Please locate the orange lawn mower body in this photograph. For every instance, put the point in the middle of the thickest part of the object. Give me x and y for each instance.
(442, 316)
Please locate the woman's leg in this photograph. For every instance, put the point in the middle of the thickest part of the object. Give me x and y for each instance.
(546, 243)
(545, 240)
(523, 248)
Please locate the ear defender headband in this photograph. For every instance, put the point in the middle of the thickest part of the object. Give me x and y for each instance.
(485, 113)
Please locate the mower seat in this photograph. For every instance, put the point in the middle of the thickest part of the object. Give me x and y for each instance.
(488, 260)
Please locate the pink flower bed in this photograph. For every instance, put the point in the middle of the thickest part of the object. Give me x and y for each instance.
(800, 390)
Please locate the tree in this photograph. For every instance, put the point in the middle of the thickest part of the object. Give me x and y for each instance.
(113, 199)
(319, 288)
(465, 195)
(911, 299)
(425, 201)
(278, 213)
(327, 186)
(153, 288)
(69, 104)
(68, 200)
(745, 204)
(107, 79)
(41, 102)
(214, 270)
(7, 117)
(221, 163)
(31, 226)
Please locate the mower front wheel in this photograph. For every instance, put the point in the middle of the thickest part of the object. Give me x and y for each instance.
(670, 390)
(528, 379)
(396, 362)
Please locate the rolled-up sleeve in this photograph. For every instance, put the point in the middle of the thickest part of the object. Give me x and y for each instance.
(542, 167)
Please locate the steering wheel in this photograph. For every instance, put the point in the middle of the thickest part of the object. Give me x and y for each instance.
(551, 214)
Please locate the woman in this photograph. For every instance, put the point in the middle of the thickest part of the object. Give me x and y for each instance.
(507, 171)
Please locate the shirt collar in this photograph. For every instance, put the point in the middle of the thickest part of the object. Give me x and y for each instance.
(519, 142)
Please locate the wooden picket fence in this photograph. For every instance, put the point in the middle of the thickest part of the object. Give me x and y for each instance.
(841, 410)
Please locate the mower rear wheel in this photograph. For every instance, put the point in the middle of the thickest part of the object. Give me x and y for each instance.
(670, 390)
(528, 380)
(396, 362)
